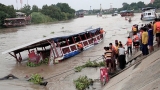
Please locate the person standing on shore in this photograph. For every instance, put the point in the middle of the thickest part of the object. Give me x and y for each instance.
(136, 42)
(129, 45)
(108, 57)
(157, 31)
(150, 38)
(144, 42)
(121, 57)
(113, 55)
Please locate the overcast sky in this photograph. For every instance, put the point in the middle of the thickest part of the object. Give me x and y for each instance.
(75, 4)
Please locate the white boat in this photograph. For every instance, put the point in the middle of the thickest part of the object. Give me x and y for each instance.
(148, 14)
(115, 13)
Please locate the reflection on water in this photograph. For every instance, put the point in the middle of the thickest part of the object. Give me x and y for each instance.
(116, 27)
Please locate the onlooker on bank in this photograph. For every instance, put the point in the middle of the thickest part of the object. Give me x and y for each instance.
(150, 38)
(145, 42)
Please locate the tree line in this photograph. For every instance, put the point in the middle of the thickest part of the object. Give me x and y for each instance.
(59, 11)
(139, 5)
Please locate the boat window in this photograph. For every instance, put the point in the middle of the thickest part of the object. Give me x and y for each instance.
(62, 42)
(92, 34)
(83, 37)
(76, 38)
(149, 13)
(88, 35)
(70, 40)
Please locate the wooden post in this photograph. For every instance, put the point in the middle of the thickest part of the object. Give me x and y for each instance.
(28, 51)
(73, 39)
(20, 58)
(16, 57)
(45, 48)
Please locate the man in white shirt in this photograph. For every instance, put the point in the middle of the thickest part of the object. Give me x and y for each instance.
(121, 57)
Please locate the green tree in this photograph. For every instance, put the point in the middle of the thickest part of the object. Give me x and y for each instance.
(65, 8)
(140, 4)
(156, 3)
(125, 6)
(35, 8)
(2, 17)
(6, 12)
(26, 9)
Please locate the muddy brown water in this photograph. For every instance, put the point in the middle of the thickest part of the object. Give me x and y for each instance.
(116, 27)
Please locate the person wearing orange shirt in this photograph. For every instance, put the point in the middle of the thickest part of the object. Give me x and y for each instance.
(157, 31)
(136, 42)
(129, 45)
(80, 46)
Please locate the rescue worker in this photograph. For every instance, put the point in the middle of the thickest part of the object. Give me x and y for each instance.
(136, 42)
(80, 46)
(134, 29)
(157, 31)
(129, 45)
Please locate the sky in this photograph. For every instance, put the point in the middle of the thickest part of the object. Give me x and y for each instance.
(75, 4)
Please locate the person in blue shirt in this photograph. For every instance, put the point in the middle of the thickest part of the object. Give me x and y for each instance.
(151, 37)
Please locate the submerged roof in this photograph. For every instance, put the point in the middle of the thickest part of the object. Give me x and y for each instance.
(148, 8)
(44, 42)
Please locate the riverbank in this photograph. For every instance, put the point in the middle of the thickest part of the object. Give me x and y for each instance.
(144, 75)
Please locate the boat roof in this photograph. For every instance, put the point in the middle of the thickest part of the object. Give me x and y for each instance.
(126, 11)
(14, 18)
(44, 42)
(147, 8)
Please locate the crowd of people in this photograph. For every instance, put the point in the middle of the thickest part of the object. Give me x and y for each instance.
(140, 39)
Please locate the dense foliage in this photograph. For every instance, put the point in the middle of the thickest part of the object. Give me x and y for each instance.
(139, 5)
(34, 64)
(36, 79)
(89, 64)
(38, 17)
(82, 83)
(6, 12)
(60, 11)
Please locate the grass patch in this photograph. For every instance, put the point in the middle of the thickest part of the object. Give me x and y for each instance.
(89, 64)
(83, 82)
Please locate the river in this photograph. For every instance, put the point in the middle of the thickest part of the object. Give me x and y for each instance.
(116, 27)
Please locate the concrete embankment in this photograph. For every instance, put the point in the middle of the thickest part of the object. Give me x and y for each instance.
(144, 75)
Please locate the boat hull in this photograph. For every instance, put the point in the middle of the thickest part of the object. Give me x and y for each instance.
(75, 52)
(148, 18)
